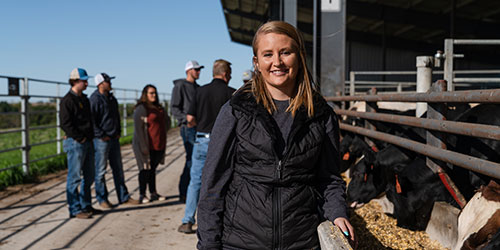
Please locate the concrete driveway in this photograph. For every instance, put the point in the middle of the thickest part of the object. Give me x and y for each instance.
(36, 216)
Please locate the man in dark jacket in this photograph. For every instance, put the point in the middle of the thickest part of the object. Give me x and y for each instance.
(183, 95)
(202, 113)
(76, 122)
(106, 120)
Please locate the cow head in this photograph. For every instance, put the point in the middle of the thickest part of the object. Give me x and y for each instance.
(352, 147)
(366, 182)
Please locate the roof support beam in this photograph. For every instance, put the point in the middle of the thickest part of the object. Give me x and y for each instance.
(420, 19)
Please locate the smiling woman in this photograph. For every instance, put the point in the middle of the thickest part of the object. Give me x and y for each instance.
(277, 61)
(272, 167)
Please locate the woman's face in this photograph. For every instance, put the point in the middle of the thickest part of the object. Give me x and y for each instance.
(278, 62)
(151, 95)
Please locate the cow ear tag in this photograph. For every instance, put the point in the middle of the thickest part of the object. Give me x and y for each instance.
(398, 186)
(346, 156)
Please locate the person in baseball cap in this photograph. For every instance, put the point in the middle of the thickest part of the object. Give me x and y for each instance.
(193, 65)
(107, 129)
(183, 94)
(76, 122)
(78, 74)
(102, 77)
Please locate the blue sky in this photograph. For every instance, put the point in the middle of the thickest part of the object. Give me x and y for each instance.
(139, 42)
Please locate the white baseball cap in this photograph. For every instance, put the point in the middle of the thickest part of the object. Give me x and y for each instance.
(193, 65)
(102, 77)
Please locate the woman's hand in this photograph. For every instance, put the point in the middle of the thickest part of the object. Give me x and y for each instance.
(347, 229)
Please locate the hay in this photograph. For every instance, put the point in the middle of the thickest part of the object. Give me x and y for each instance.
(376, 230)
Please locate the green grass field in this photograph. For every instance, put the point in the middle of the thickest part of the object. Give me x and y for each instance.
(15, 175)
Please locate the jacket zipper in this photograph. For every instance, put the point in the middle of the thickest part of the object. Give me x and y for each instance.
(277, 210)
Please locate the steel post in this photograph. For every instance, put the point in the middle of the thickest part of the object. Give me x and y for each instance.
(399, 88)
(371, 107)
(424, 78)
(315, 42)
(352, 86)
(437, 111)
(124, 113)
(332, 35)
(25, 136)
(290, 12)
(58, 120)
(448, 63)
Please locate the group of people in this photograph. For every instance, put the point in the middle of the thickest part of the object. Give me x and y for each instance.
(196, 109)
(92, 128)
(262, 162)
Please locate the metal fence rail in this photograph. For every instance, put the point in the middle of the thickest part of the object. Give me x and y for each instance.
(463, 96)
(25, 113)
(436, 120)
(461, 128)
(472, 163)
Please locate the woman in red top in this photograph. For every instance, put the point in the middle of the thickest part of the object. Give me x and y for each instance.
(149, 141)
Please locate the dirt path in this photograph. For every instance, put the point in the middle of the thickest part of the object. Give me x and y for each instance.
(36, 216)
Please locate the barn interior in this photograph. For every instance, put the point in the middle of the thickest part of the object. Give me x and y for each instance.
(375, 35)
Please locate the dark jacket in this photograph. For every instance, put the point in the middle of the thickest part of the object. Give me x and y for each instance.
(251, 198)
(105, 114)
(209, 100)
(183, 95)
(76, 120)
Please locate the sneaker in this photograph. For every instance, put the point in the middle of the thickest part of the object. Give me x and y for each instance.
(186, 228)
(157, 197)
(131, 201)
(81, 215)
(106, 205)
(143, 199)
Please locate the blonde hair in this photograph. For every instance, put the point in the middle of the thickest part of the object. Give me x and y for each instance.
(305, 88)
(221, 66)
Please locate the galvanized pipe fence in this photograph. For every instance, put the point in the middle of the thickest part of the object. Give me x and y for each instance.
(125, 96)
(435, 149)
(432, 99)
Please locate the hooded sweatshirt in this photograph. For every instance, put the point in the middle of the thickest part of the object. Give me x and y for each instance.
(183, 95)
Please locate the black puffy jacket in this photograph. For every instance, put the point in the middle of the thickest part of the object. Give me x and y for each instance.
(252, 199)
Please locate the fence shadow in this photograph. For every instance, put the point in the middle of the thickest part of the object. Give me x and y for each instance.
(175, 150)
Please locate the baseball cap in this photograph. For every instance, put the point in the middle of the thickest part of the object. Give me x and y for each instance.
(78, 74)
(247, 75)
(102, 77)
(193, 65)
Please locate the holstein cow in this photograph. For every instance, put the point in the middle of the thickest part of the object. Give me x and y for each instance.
(479, 221)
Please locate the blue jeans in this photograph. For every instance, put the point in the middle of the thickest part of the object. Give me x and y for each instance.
(105, 150)
(80, 161)
(188, 137)
(193, 193)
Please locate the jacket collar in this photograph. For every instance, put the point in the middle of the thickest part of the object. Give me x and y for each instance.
(218, 81)
(244, 101)
(109, 96)
(75, 94)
